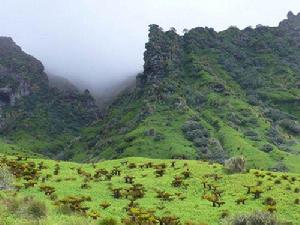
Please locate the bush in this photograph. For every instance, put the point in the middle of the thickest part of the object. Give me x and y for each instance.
(190, 125)
(275, 137)
(267, 148)
(275, 114)
(36, 209)
(255, 218)
(291, 126)
(25, 207)
(251, 133)
(108, 221)
(6, 178)
(235, 164)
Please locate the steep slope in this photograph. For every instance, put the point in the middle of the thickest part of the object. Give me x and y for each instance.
(208, 95)
(34, 115)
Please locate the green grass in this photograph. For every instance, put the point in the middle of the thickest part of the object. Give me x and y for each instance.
(193, 208)
(8, 148)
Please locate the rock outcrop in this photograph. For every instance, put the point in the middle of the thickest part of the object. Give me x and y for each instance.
(162, 56)
(20, 73)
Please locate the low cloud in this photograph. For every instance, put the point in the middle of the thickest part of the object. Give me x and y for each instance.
(98, 44)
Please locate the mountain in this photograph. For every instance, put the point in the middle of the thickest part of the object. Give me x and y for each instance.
(33, 114)
(208, 95)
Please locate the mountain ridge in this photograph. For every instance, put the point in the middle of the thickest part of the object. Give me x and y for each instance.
(209, 95)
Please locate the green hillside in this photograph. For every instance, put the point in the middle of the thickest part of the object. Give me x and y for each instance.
(208, 95)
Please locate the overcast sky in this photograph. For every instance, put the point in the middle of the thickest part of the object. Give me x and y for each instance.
(100, 42)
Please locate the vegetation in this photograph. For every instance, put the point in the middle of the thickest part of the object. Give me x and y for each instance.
(261, 218)
(235, 164)
(127, 191)
(209, 135)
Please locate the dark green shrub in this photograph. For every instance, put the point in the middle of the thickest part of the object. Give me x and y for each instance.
(250, 133)
(267, 148)
(275, 137)
(275, 114)
(108, 221)
(291, 126)
(280, 166)
(190, 125)
(200, 142)
(36, 209)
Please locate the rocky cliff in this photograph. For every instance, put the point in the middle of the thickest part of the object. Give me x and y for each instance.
(31, 111)
(20, 73)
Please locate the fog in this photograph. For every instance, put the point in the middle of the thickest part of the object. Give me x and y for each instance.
(99, 43)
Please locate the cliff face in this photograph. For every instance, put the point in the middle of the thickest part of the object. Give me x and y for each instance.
(30, 109)
(244, 54)
(20, 74)
(163, 55)
(292, 22)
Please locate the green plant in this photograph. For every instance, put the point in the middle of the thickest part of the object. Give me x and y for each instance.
(235, 164)
(6, 178)
(108, 221)
(255, 218)
(36, 209)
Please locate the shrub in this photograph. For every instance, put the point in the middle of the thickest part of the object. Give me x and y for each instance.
(267, 148)
(251, 133)
(26, 207)
(275, 136)
(200, 142)
(108, 221)
(190, 125)
(12, 204)
(280, 166)
(255, 218)
(291, 125)
(36, 209)
(6, 178)
(275, 114)
(235, 164)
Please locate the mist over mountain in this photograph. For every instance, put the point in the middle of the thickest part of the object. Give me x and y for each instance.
(99, 44)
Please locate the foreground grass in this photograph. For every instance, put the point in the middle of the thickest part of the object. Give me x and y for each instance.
(189, 205)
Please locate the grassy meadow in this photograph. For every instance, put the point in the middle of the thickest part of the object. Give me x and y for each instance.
(178, 190)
